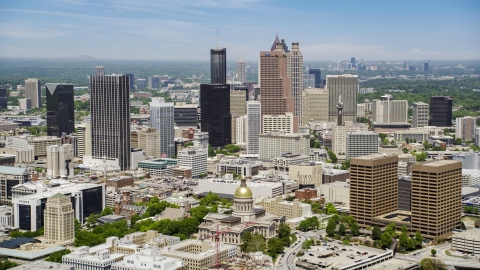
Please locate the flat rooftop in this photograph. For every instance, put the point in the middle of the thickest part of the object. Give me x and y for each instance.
(394, 264)
(469, 234)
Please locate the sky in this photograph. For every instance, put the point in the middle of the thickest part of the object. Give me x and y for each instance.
(187, 29)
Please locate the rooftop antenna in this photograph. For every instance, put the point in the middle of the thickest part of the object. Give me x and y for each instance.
(217, 38)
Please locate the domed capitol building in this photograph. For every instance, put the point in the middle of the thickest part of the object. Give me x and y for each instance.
(245, 217)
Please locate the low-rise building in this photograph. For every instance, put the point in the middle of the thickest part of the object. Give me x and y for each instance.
(225, 188)
(306, 194)
(277, 206)
(195, 158)
(470, 160)
(274, 144)
(10, 177)
(149, 258)
(448, 140)
(5, 216)
(467, 241)
(239, 166)
(43, 265)
(283, 162)
(335, 175)
(470, 177)
(361, 143)
(336, 192)
(118, 182)
(418, 134)
(308, 174)
(158, 167)
(81, 259)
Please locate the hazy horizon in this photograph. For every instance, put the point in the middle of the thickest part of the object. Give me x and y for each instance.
(173, 30)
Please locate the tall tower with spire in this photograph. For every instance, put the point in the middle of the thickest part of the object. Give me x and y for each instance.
(241, 70)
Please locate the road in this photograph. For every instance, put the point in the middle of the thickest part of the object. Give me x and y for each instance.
(287, 262)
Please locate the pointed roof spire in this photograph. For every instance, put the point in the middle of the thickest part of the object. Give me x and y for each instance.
(241, 59)
(274, 46)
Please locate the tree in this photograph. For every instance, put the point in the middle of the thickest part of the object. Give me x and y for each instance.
(330, 229)
(386, 240)
(355, 230)
(283, 230)
(432, 264)
(405, 150)
(390, 229)
(57, 256)
(331, 210)
(332, 156)
(342, 230)
(308, 243)
(433, 251)
(404, 229)
(345, 165)
(458, 141)
(246, 239)
(418, 238)
(376, 233)
(407, 140)
(382, 135)
(275, 246)
(257, 243)
(421, 157)
(7, 264)
(403, 240)
(463, 227)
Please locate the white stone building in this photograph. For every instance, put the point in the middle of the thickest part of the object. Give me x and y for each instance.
(420, 114)
(60, 161)
(253, 129)
(273, 144)
(361, 144)
(195, 158)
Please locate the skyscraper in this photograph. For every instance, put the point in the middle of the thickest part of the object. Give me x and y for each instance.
(241, 70)
(132, 80)
(318, 76)
(425, 67)
(218, 66)
(420, 114)
(162, 118)
(99, 70)
(373, 187)
(352, 61)
(33, 92)
(440, 111)
(60, 109)
(346, 87)
(275, 86)
(295, 73)
(3, 98)
(254, 119)
(465, 128)
(110, 115)
(59, 219)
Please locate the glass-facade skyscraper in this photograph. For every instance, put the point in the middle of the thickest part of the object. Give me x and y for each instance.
(440, 111)
(218, 66)
(162, 118)
(215, 113)
(318, 77)
(60, 109)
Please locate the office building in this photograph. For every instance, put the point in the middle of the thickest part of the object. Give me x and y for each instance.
(60, 161)
(36, 143)
(284, 122)
(10, 177)
(154, 82)
(3, 98)
(238, 103)
(420, 114)
(162, 119)
(33, 91)
(275, 144)
(275, 93)
(361, 110)
(24, 104)
(195, 158)
(336, 192)
(295, 73)
(241, 129)
(342, 88)
(110, 117)
(361, 143)
(307, 174)
(436, 198)
(477, 136)
(84, 135)
(315, 105)
(29, 210)
(147, 139)
(215, 113)
(132, 81)
(60, 109)
(254, 110)
(425, 66)
(308, 81)
(200, 140)
(218, 66)
(241, 76)
(353, 62)
(227, 188)
(149, 258)
(141, 84)
(404, 194)
(339, 135)
(240, 166)
(419, 135)
(186, 115)
(467, 242)
(306, 194)
(465, 128)
(388, 110)
(440, 111)
(100, 70)
(59, 219)
(82, 259)
(318, 77)
(289, 210)
(373, 187)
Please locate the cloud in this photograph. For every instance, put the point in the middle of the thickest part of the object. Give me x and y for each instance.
(415, 51)
(25, 32)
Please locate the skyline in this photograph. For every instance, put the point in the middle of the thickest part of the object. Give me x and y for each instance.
(176, 30)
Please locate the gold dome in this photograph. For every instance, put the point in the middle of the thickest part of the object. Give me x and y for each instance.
(243, 191)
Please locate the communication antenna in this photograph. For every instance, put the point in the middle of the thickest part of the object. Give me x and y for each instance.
(217, 38)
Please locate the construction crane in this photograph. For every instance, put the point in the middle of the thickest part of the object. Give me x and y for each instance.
(216, 236)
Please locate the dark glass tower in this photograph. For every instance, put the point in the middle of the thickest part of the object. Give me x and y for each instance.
(110, 117)
(218, 66)
(440, 111)
(3, 98)
(60, 109)
(318, 77)
(132, 80)
(215, 113)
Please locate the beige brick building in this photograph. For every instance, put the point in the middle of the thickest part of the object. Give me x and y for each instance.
(306, 174)
(59, 219)
(287, 209)
(315, 105)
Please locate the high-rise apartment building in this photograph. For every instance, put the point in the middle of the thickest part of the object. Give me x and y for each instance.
(283, 122)
(388, 110)
(440, 111)
(59, 219)
(275, 94)
(60, 109)
(100, 70)
(315, 105)
(218, 66)
(436, 198)
(317, 75)
(195, 158)
(215, 113)
(84, 135)
(373, 187)
(361, 144)
(33, 91)
(465, 128)
(360, 110)
(110, 116)
(3, 98)
(162, 119)
(254, 116)
(295, 73)
(342, 87)
(60, 161)
(420, 114)
(241, 76)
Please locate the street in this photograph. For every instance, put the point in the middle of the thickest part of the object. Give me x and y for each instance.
(287, 262)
